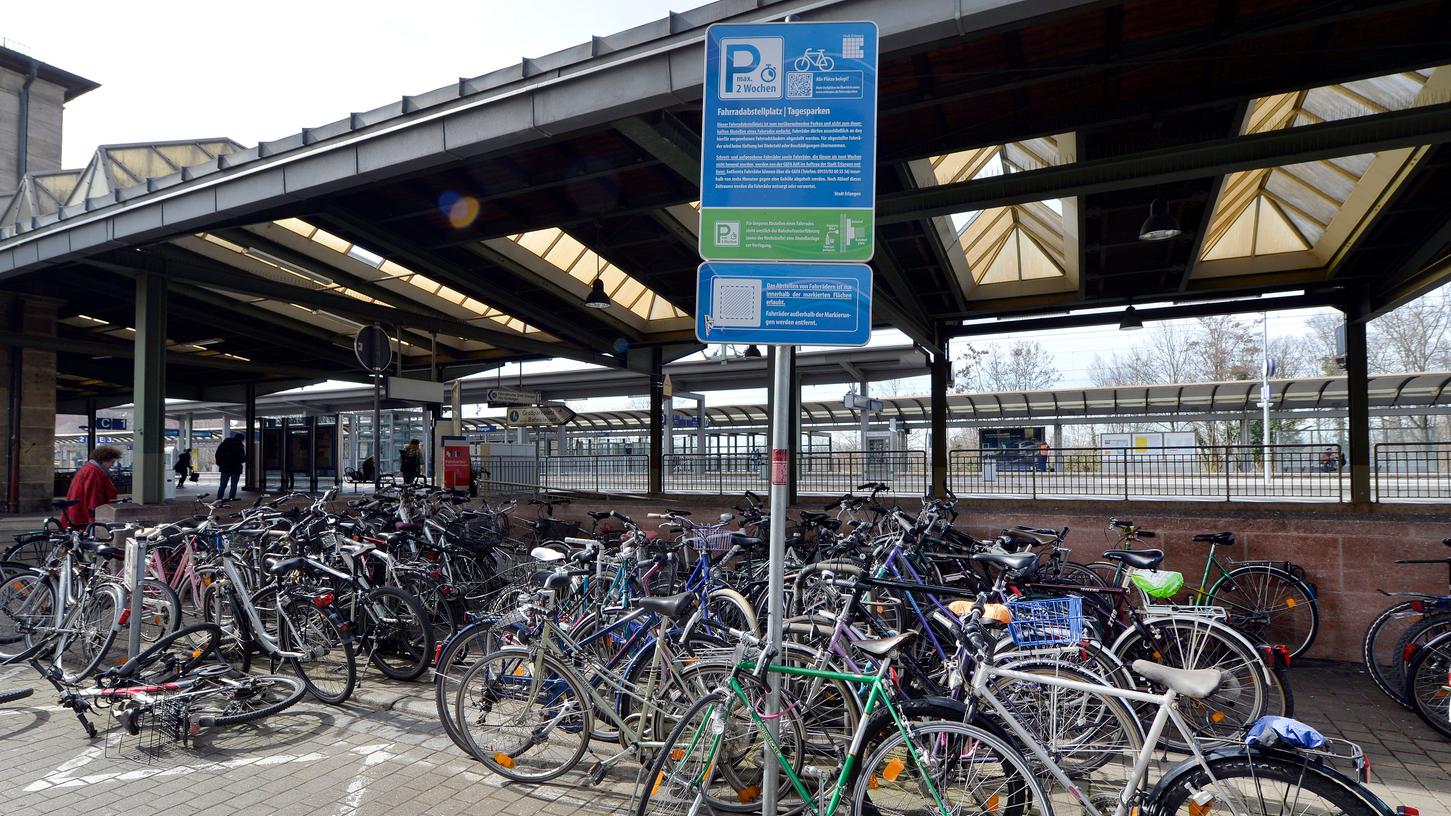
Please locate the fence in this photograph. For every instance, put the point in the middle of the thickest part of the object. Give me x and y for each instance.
(1412, 471)
(712, 473)
(1228, 472)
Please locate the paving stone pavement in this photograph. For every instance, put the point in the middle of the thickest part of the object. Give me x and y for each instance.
(383, 754)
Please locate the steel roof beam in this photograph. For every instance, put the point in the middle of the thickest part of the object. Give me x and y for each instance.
(1216, 157)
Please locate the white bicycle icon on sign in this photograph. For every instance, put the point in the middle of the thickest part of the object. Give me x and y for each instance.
(814, 58)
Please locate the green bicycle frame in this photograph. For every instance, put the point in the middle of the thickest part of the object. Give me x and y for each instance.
(879, 694)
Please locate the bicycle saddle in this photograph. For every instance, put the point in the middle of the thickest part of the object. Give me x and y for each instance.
(1138, 559)
(61, 504)
(746, 541)
(1010, 562)
(282, 566)
(1041, 535)
(1215, 538)
(1196, 683)
(881, 647)
(598, 515)
(813, 518)
(107, 551)
(673, 607)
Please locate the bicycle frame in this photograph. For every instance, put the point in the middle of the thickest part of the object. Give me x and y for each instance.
(879, 694)
(242, 602)
(984, 672)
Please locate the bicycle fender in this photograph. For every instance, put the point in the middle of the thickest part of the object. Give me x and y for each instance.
(1311, 765)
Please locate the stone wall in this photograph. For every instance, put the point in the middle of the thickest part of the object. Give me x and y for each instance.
(37, 316)
(1348, 554)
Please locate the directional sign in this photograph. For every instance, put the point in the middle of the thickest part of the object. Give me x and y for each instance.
(784, 304)
(373, 348)
(540, 415)
(789, 149)
(511, 396)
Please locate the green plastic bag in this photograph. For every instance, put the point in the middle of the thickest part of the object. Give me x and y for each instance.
(1158, 583)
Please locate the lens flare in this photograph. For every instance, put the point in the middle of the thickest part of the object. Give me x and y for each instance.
(461, 210)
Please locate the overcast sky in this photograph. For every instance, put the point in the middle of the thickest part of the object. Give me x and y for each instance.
(250, 72)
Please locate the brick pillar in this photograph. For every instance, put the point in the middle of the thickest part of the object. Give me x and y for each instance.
(33, 315)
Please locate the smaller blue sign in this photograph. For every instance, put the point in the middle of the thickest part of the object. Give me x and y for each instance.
(784, 304)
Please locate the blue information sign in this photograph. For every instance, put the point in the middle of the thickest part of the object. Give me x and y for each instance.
(779, 304)
(788, 152)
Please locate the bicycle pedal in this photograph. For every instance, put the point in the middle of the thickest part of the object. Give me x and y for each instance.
(598, 771)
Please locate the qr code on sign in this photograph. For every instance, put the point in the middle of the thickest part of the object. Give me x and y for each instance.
(799, 85)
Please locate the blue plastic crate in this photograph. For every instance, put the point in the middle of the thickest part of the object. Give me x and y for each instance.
(1047, 622)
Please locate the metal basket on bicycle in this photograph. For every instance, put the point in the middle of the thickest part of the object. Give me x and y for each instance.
(1046, 621)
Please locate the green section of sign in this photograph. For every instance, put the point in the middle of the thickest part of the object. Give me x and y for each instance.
(768, 234)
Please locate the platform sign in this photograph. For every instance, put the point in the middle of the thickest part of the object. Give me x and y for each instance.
(540, 415)
(788, 152)
(779, 304)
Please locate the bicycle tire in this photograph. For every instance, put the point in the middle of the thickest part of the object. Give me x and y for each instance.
(1271, 592)
(27, 600)
(98, 620)
(306, 628)
(1389, 674)
(220, 607)
(246, 688)
(511, 669)
(1017, 792)
(11, 695)
(409, 640)
(1414, 638)
(1428, 684)
(446, 678)
(1173, 796)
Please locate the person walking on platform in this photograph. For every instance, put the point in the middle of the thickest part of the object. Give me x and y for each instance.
(91, 487)
(231, 456)
(182, 467)
(410, 461)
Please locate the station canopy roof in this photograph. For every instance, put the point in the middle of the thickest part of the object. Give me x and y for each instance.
(1300, 148)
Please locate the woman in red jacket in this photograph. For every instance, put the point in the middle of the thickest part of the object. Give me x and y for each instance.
(91, 487)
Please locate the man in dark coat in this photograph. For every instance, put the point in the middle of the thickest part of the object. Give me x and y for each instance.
(230, 457)
(410, 461)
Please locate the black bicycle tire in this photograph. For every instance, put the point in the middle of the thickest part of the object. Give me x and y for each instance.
(1371, 640)
(108, 640)
(1439, 645)
(559, 670)
(443, 693)
(147, 655)
(425, 655)
(1286, 576)
(299, 690)
(1415, 638)
(1021, 768)
(212, 594)
(345, 644)
(11, 695)
(26, 649)
(1351, 798)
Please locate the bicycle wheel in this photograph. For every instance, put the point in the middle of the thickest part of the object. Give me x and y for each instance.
(249, 698)
(27, 602)
(90, 631)
(399, 636)
(527, 719)
(1380, 652)
(329, 666)
(235, 648)
(160, 610)
(1428, 684)
(1269, 603)
(964, 767)
(12, 695)
(1190, 642)
(1092, 736)
(713, 758)
(1414, 638)
(1262, 783)
(454, 661)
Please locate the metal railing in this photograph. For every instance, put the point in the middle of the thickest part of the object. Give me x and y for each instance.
(1223, 472)
(836, 473)
(717, 473)
(1412, 471)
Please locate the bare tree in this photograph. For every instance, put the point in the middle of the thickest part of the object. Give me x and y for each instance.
(965, 376)
(1024, 366)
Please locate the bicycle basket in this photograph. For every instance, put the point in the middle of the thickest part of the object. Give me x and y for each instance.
(1047, 622)
(714, 541)
(1158, 583)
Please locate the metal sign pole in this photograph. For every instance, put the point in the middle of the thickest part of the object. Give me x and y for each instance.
(377, 431)
(776, 575)
(135, 573)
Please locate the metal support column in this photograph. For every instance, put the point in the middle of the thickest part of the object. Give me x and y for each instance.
(253, 440)
(782, 447)
(90, 426)
(941, 372)
(793, 395)
(149, 471)
(1357, 386)
(311, 454)
(657, 430)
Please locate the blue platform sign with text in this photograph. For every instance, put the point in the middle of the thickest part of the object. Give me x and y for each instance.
(778, 304)
(788, 152)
